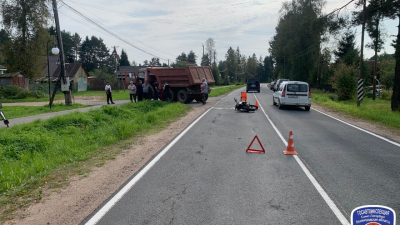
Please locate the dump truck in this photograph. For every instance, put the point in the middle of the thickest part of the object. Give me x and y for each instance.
(184, 82)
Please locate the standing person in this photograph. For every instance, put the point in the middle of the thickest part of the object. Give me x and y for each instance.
(132, 91)
(204, 91)
(160, 91)
(166, 91)
(147, 90)
(108, 92)
(139, 91)
(156, 91)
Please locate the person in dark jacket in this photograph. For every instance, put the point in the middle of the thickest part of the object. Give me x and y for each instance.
(156, 93)
(166, 91)
(139, 88)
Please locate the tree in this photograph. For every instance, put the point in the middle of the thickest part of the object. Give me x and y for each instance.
(210, 49)
(191, 57)
(373, 27)
(391, 9)
(268, 69)
(93, 53)
(181, 57)
(180, 64)
(76, 40)
(295, 47)
(215, 72)
(232, 64)
(124, 59)
(155, 62)
(4, 38)
(387, 71)
(347, 51)
(205, 60)
(25, 21)
(68, 46)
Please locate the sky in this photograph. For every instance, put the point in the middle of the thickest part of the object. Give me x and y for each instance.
(164, 29)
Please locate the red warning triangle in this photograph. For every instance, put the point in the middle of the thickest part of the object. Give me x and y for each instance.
(253, 150)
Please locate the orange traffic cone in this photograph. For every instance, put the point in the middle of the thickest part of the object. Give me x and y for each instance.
(243, 97)
(290, 147)
(257, 104)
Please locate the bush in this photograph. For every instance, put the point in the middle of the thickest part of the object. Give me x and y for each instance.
(14, 92)
(37, 94)
(345, 81)
(386, 95)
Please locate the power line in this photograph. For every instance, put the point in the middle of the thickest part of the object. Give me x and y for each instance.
(119, 31)
(173, 22)
(109, 32)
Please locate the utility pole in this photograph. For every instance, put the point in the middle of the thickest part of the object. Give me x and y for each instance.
(362, 48)
(64, 84)
(203, 49)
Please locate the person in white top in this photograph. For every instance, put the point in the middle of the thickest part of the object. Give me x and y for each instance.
(132, 91)
(108, 92)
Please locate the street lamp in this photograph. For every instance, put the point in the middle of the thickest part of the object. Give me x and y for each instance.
(55, 51)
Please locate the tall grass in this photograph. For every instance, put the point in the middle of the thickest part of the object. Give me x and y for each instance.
(378, 110)
(30, 152)
(12, 112)
(220, 91)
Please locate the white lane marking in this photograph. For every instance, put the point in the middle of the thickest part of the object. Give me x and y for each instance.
(317, 186)
(368, 132)
(96, 218)
(359, 128)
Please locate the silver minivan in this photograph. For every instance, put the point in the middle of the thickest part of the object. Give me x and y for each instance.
(295, 93)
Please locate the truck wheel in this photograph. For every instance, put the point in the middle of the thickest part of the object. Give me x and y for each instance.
(171, 96)
(183, 96)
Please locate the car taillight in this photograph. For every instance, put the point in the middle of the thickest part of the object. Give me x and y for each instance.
(283, 93)
(309, 94)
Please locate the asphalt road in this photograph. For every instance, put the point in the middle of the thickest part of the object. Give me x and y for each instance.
(206, 177)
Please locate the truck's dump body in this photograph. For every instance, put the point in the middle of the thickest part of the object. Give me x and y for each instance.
(182, 77)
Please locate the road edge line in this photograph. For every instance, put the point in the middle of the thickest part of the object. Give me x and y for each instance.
(97, 217)
(317, 186)
(359, 128)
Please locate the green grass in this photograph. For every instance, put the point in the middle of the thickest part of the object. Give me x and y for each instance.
(58, 96)
(378, 111)
(31, 153)
(222, 90)
(12, 112)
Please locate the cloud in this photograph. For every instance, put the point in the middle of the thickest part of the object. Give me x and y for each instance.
(168, 28)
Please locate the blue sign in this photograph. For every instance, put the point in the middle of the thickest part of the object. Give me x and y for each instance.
(373, 215)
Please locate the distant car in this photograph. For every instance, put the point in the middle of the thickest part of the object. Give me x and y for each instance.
(253, 85)
(295, 93)
(279, 83)
(272, 86)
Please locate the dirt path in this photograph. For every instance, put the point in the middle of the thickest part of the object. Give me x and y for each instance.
(85, 193)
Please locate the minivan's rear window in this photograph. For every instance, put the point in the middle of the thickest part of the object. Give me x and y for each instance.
(297, 87)
(250, 81)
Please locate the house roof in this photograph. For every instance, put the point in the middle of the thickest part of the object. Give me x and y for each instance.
(70, 70)
(11, 75)
(2, 67)
(53, 65)
(129, 69)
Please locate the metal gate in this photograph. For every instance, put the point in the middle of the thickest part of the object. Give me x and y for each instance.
(82, 84)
